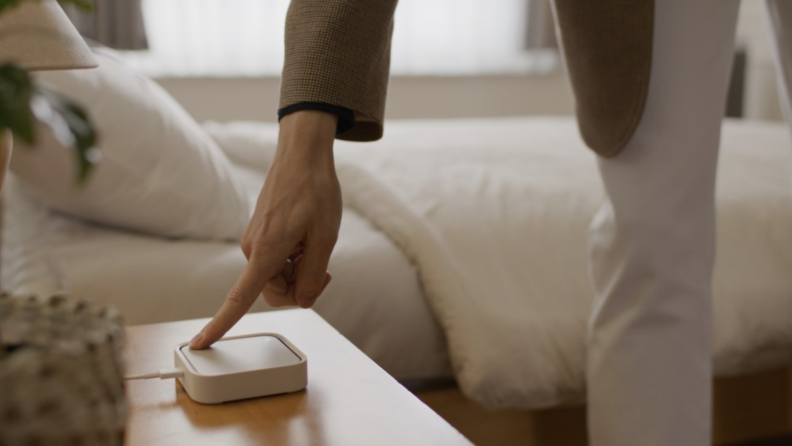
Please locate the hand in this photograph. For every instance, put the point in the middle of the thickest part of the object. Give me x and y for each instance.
(294, 228)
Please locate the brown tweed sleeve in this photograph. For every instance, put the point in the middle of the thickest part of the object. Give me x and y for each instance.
(338, 52)
(608, 52)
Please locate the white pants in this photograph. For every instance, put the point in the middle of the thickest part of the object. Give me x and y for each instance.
(652, 244)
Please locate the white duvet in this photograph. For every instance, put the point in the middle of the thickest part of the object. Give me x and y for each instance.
(496, 222)
(495, 213)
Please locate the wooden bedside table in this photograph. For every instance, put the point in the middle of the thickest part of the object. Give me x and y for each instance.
(349, 400)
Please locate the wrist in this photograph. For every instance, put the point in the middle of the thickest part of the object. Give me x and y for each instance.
(309, 126)
(307, 134)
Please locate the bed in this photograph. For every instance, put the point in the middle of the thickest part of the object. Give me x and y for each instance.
(374, 299)
(418, 192)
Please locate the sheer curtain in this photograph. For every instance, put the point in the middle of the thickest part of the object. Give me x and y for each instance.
(212, 37)
(245, 38)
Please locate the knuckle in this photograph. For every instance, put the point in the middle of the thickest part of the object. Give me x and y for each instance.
(270, 226)
(273, 299)
(327, 233)
(276, 286)
(326, 239)
(264, 243)
(235, 296)
(246, 250)
(311, 286)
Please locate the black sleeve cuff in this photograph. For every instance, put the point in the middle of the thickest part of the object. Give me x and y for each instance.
(346, 117)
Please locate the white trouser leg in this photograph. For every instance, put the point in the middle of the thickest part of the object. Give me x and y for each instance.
(652, 243)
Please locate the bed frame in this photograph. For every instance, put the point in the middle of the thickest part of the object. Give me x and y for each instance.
(751, 410)
(747, 409)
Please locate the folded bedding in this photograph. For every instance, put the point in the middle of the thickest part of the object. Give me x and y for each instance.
(495, 214)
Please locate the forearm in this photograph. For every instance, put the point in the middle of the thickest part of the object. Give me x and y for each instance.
(307, 133)
(293, 229)
(338, 53)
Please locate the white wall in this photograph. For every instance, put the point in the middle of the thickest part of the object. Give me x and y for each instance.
(761, 98)
(226, 99)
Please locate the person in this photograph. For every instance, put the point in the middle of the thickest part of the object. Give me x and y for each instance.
(649, 79)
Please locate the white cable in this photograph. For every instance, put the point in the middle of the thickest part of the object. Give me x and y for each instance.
(173, 372)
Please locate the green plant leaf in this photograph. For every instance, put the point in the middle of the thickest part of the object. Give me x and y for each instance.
(16, 92)
(8, 4)
(22, 104)
(71, 126)
(83, 5)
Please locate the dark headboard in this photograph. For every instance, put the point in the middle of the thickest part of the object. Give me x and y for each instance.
(736, 95)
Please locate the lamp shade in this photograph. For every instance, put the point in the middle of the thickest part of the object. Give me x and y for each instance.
(37, 35)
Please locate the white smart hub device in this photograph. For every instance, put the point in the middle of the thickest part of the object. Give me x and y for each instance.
(241, 367)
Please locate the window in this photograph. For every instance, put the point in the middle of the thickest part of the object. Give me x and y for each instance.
(245, 38)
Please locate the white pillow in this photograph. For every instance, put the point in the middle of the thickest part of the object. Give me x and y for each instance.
(160, 173)
(250, 144)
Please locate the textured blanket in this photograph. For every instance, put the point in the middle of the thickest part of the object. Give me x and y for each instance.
(495, 214)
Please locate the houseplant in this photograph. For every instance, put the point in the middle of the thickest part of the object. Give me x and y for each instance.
(23, 104)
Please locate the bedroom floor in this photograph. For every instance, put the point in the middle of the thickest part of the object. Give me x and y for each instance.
(752, 410)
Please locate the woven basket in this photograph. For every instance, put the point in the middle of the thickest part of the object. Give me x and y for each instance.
(61, 373)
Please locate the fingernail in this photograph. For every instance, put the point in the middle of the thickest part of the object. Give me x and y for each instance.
(305, 300)
(196, 340)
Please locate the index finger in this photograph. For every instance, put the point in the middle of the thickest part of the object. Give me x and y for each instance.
(239, 300)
